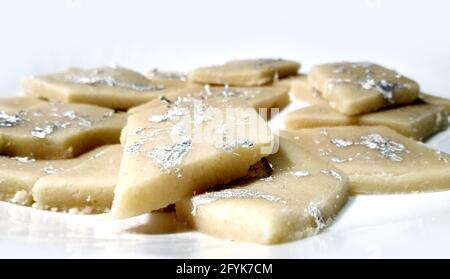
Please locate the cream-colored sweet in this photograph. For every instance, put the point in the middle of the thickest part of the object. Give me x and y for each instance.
(301, 90)
(187, 89)
(356, 88)
(184, 147)
(263, 97)
(248, 72)
(415, 121)
(434, 100)
(57, 130)
(112, 87)
(14, 104)
(176, 78)
(317, 116)
(88, 186)
(19, 174)
(377, 159)
(302, 196)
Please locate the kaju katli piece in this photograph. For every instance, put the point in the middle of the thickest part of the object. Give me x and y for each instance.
(377, 159)
(18, 175)
(356, 88)
(56, 130)
(301, 197)
(247, 72)
(419, 121)
(86, 187)
(262, 97)
(111, 87)
(186, 146)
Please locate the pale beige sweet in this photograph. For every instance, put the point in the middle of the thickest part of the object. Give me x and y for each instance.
(14, 104)
(285, 82)
(189, 145)
(248, 72)
(263, 97)
(317, 116)
(88, 186)
(419, 121)
(19, 174)
(169, 77)
(434, 100)
(356, 88)
(301, 90)
(301, 197)
(188, 88)
(377, 159)
(112, 87)
(58, 130)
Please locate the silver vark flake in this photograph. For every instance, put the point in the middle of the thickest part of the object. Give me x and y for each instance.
(24, 159)
(51, 169)
(135, 147)
(43, 132)
(336, 159)
(84, 122)
(314, 211)
(8, 120)
(267, 179)
(384, 87)
(235, 193)
(172, 113)
(70, 114)
(300, 173)
(97, 155)
(177, 131)
(341, 142)
(226, 92)
(96, 79)
(108, 114)
(229, 145)
(388, 148)
(332, 173)
(170, 156)
(441, 156)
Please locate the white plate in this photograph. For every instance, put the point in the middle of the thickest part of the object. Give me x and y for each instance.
(46, 36)
(372, 226)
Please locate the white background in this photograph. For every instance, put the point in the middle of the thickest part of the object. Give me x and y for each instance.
(410, 36)
(47, 35)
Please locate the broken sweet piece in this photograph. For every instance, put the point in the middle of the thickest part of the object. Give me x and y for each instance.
(248, 72)
(434, 100)
(88, 186)
(300, 197)
(263, 97)
(183, 147)
(419, 121)
(377, 159)
(112, 87)
(56, 130)
(19, 174)
(355, 88)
